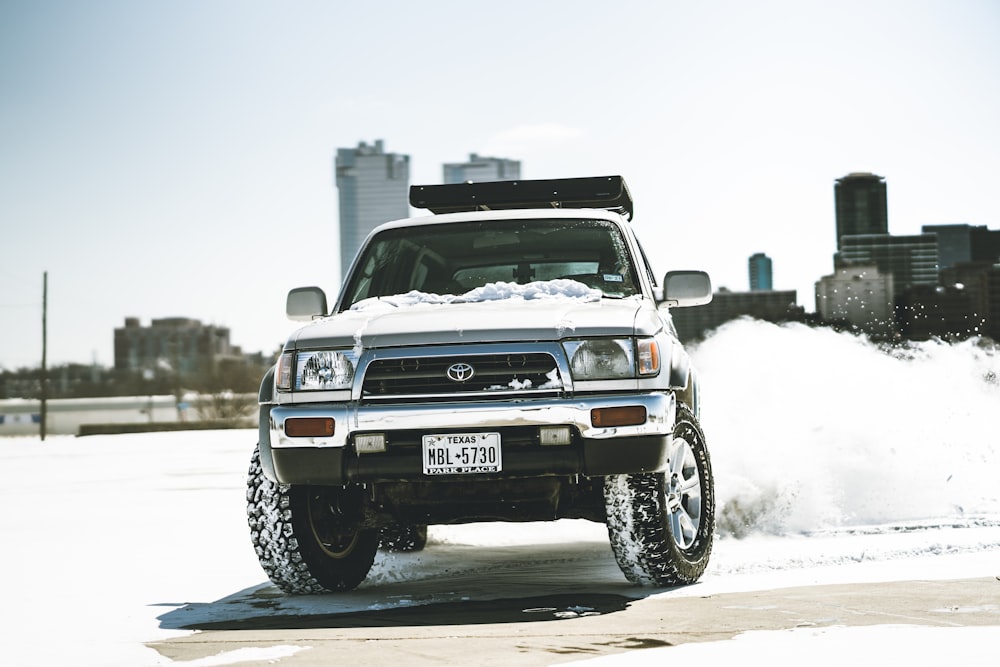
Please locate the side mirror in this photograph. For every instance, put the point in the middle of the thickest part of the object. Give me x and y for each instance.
(686, 288)
(305, 303)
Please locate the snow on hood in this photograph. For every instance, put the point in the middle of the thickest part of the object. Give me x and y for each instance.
(561, 289)
(498, 312)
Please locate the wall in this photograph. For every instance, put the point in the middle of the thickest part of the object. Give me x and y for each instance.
(66, 415)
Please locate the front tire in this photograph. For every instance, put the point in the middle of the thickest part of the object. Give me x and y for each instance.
(308, 539)
(661, 524)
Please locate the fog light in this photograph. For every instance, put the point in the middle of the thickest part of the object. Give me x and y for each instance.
(309, 427)
(630, 415)
(554, 435)
(369, 443)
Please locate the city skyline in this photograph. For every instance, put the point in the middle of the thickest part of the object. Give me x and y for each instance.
(164, 161)
(865, 302)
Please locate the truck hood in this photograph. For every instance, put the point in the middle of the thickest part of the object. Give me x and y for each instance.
(480, 322)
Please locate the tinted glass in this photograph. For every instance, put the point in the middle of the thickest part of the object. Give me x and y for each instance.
(455, 258)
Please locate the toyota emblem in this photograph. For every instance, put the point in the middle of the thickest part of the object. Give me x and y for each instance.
(460, 372)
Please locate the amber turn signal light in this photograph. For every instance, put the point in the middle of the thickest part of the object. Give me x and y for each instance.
(309, 427)
(630, 415)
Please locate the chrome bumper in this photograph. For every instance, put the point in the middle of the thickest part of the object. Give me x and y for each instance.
(352, 418)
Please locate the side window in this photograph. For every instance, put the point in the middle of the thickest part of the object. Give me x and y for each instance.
(387, 269)
(363, 282)
(648, 267)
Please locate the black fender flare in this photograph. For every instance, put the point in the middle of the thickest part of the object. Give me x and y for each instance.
(265, 397)
(680, 367)
(683, 378)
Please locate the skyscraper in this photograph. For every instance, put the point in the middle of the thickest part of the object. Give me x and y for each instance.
(373, 188)
(861, 207)
(760, 272)
(912, 260)
(959, 244)
(479, 169)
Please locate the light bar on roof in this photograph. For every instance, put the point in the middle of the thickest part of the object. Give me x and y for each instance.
(605, 192)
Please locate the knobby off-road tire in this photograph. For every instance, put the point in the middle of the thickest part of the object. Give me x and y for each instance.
(399, 537)
(306, 538)
(661, 524)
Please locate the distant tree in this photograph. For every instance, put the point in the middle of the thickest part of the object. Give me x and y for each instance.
(229, 389)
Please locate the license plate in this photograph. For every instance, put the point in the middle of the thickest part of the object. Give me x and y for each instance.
(462, 453)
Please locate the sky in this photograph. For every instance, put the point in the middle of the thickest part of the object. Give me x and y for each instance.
(856, 498)
(176, 159)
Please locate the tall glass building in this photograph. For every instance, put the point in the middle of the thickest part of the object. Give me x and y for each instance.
(759, 265)
(480, 169)
(373, 187)
(861, 205)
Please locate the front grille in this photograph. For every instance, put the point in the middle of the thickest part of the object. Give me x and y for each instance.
(417, 376)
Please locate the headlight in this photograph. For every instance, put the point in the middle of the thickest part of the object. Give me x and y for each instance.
(613, 358)
(601, 359)
(323, 370)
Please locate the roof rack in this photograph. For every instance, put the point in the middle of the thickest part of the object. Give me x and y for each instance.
(607, 192)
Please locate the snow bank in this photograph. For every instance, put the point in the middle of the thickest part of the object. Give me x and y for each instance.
(811, 429)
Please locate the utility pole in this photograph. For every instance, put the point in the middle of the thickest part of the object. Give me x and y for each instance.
(45, 371)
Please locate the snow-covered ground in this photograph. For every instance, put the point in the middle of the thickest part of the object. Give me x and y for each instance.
(835, 462)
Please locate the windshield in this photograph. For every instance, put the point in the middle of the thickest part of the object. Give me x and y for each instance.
(458, 257)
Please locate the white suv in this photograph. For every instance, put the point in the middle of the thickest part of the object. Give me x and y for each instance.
(510, 358)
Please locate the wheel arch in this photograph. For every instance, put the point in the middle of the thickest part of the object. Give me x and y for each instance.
(265, 396)
(683, 379)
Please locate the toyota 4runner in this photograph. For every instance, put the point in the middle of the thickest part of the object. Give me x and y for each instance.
(509, 358)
